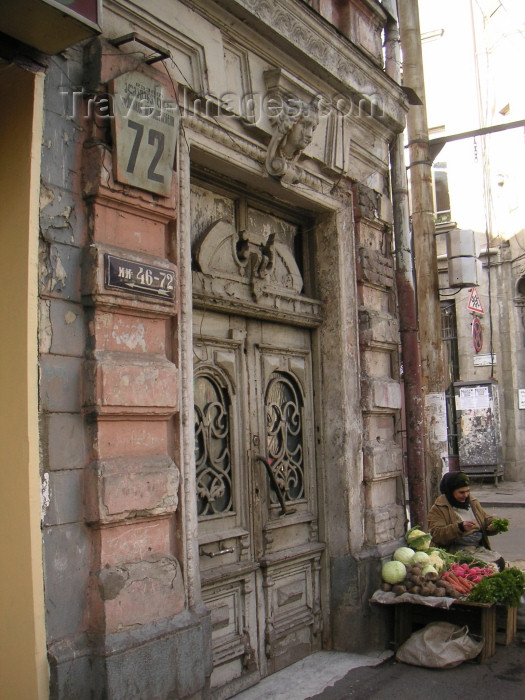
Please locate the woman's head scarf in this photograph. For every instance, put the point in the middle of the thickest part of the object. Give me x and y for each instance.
(452, 481)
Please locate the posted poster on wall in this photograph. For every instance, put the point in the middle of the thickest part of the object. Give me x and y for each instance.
(473, 398)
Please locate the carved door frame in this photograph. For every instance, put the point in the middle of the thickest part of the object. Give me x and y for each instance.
(253, 275)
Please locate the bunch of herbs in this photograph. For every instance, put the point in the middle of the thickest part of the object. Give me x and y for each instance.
(503, 588)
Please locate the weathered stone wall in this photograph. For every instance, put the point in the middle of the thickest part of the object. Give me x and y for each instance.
(380, 365)
(116, 596)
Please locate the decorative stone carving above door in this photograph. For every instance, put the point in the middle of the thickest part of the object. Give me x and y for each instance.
(250, 272)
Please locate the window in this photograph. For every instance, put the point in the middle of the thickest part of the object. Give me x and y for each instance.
(441, 194)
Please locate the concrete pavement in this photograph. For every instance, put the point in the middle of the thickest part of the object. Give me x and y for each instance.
(508, 494)
(339, 676)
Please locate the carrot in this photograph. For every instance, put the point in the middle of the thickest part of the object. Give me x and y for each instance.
(458, 585)
(468, 584)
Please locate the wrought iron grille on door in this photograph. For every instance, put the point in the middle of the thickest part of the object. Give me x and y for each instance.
(212, 447)
(284, 436)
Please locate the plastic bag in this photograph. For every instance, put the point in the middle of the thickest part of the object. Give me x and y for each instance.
(439, 645)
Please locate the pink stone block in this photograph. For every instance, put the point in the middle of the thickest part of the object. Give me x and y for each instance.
(129, 333)
(125, 488)
(124, 229)
(123, 493)
(142, 593)
(117, 384)
(131, 438)
(136, 541)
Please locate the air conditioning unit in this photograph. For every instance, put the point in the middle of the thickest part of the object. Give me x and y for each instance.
(464, 268)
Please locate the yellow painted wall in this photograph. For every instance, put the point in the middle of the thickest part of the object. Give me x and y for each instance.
(23, 662)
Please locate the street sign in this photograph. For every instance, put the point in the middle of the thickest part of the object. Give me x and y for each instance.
(145, 130)
(137, 278)
(485, 360)
(474, 302)
(477, 335)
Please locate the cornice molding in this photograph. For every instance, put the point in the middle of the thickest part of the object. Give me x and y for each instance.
(335, 61)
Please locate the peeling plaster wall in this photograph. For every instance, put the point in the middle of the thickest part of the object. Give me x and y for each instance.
(62, 343)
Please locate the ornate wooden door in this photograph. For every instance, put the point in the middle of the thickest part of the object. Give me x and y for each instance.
(256, 493)
(260, 554)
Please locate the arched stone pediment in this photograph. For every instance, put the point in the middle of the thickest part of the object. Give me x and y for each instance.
(251, 273)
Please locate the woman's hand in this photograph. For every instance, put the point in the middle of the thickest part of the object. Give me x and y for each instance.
(470, 526)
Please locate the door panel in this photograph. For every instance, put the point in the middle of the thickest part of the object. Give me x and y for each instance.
(259, 565)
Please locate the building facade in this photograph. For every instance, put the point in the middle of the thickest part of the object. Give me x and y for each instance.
(477, 183)
(203, 395)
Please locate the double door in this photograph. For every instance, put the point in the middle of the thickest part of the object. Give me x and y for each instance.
(259, 548)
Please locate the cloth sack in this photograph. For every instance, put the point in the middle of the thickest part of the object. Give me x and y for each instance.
(439, 645)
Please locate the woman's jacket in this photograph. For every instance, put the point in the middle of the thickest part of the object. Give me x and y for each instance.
(443, 523)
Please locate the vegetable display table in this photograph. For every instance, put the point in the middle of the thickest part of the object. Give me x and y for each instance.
(483, 619)
(480, 619)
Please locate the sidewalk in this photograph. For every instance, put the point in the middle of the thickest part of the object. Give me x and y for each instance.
(508, 494)
(311, 676)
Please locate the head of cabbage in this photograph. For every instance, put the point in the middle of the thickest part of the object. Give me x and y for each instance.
(428, 569)
(403, 554)
(393, 572)
(420, 558)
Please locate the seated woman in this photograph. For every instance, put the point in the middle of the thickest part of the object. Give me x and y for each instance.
(457, 521)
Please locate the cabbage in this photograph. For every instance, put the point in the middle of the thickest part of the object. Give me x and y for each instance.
(428, 569)
(420, 558)
(417, 539)
(393, 572)
(404, 554)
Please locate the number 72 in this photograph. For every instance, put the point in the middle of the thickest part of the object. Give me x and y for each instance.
(154, 137)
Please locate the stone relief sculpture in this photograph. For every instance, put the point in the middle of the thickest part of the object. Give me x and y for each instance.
(248, 258)
(294, 126)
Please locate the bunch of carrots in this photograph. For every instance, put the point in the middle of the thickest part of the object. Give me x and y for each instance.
(463, 578)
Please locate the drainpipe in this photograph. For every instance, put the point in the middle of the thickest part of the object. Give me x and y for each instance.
(423, 227)
(406, 293)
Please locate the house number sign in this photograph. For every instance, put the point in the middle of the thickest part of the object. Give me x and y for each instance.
(145, 128)
(129, 276)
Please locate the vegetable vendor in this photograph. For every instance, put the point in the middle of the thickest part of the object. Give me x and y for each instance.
(457, 521)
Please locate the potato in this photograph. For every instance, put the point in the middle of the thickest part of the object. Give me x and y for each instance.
(398, 589)
(431, 576)
(386, 586)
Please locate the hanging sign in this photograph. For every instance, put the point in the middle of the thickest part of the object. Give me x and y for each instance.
(474, 302)
(477, 335)
(145, 129)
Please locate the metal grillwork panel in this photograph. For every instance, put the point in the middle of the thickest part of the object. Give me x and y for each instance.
(212, 448)
(284, 436)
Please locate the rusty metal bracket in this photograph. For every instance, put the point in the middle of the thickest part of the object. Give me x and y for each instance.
(139, 39)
